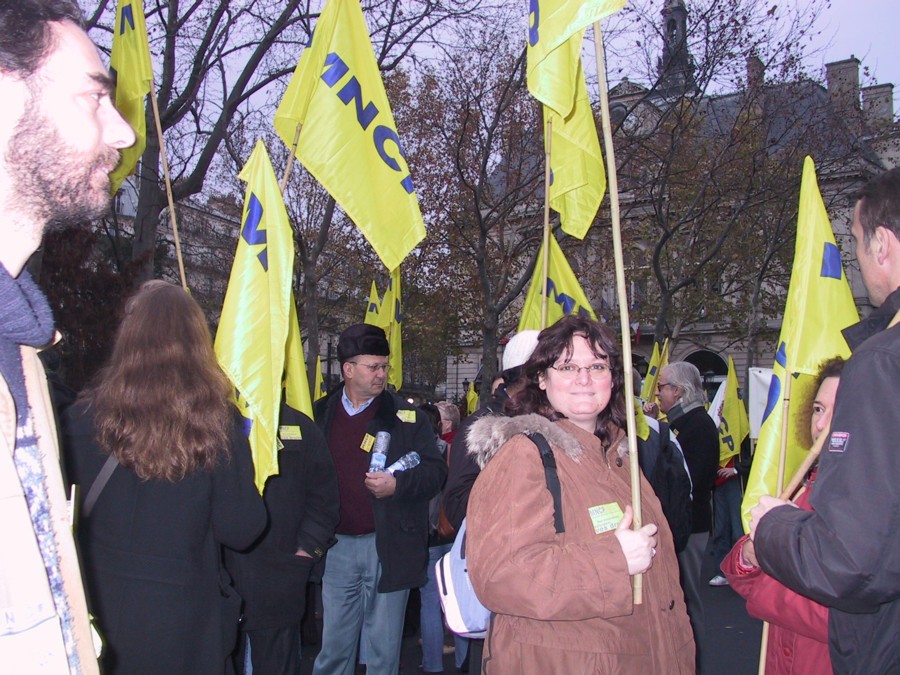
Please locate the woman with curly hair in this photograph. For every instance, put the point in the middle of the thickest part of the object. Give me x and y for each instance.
(562, 601)
(159, 416)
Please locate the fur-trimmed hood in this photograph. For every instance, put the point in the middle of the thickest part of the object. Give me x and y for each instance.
(488, 434)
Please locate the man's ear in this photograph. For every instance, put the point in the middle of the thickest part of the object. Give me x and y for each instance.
(884, 244)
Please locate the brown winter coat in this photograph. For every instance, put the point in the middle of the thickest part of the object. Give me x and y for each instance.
(563, 603)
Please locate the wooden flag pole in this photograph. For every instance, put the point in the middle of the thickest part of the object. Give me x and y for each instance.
(290, 162)
(622, 296)
(548, 130)
(168, 181)
(779, 484)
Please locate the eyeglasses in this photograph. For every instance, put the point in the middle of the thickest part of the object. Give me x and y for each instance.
(373, 367)
(569, 371)
(665, 384)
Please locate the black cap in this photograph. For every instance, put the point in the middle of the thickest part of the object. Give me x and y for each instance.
(362, 338)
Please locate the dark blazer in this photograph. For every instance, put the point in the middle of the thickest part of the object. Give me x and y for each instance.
(151, 555)
(302, 501)
(401, 521)
(699, 440)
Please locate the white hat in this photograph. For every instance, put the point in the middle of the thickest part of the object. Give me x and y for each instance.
(519, 348)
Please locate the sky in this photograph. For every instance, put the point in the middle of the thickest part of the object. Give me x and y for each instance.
(867, 29)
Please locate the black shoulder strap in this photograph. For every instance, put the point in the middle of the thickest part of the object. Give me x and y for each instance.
(97, 486)
(552, 478)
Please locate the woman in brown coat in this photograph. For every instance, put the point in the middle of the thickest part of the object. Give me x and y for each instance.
(563, 602)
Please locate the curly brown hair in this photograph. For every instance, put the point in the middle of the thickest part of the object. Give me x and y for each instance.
(555, 341)
(832, 367)
(161, 405)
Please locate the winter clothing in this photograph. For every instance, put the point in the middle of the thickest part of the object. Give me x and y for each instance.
(401, 521)
(44, 625)
(302, 503)
(845, 553)
(798, 634)
(563, 602)
(152, 560)
(699, 440)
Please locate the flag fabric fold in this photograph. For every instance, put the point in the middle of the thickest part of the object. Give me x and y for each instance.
(819, 305)
(390, 319)
(251, 340)
(348, 139)
(130, 59)
(648, 388)
(563, 292)
(320, 381)
(296, 382)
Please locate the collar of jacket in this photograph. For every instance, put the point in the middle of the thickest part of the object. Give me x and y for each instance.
(488, 434)
(387, 406)
(876, 322)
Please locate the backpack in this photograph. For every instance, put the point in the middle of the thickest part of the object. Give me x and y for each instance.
(465, 614)
(664, 468)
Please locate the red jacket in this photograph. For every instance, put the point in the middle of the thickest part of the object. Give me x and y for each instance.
(798, 631)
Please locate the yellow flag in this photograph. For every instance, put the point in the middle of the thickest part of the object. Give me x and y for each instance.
(348, 139)
(563, 292)
(373, 308)
(253, 328)
(550, 24)
(648, 388)
(734, 425)
(391, 317)
(577, 177)
(471, 399)
(819, 305)
(130, 58)
(320, 381)
(296, 383)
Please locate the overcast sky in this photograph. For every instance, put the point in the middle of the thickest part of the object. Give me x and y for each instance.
(868, 30)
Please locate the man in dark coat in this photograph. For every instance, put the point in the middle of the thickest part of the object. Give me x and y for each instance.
(682, 398)
(463, 469)
(845, 553)
(302, 502)
(382, 535)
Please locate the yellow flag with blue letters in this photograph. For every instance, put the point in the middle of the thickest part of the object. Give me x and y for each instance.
(348, 139)
(819, 306)
(373, 307)
(390, 318)
(734, 425)
(253, 328)
(130, 59)
(564, 294)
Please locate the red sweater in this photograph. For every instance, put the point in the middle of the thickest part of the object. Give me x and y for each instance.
(798, 631)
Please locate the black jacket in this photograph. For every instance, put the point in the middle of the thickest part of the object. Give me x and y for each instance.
(699, 440)
(846, 553)
(302, 502)
(463, 469)
(401, 520)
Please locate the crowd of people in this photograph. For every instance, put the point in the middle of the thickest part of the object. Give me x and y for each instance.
(186, 568)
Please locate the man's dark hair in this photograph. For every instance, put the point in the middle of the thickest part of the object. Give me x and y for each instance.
(25, 32)
(879, 204)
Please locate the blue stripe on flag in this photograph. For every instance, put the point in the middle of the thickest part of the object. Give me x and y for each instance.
(831, 261)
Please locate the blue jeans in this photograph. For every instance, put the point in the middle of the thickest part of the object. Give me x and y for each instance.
(431, 620)
(349, 601)
(727, 499)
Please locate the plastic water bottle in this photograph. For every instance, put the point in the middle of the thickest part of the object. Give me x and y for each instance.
(379, 451)
(408, 461)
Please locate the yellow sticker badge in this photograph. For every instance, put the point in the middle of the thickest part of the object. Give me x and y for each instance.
(406, 415)
(605, 517)
(290, 432)
(367, 442)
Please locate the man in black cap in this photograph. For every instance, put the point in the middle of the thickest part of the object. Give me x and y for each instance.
(382, 536)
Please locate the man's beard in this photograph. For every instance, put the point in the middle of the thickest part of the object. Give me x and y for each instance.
(55, 184)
